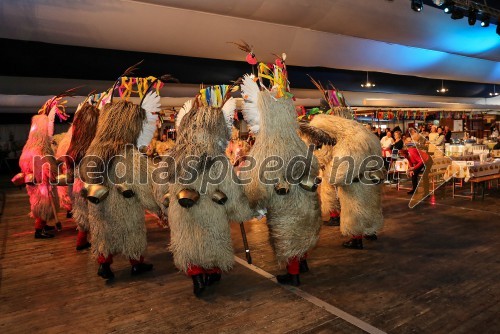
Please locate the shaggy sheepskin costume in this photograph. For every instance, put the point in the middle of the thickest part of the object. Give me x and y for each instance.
(293, 213)
(200, 232)
(39, 169)
(64, 191)
(117, 222)
(358, 185)
(83, 129)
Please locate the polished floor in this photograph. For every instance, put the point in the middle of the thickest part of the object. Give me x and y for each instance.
(434, 269)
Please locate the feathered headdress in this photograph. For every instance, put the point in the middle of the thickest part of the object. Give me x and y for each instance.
(148, 89)
(250, 93)
(334, 98)
(56, 106)
(275, 74)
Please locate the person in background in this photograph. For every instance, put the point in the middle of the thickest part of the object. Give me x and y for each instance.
(433, 135)
(439, 142)
(397, 128)
(164, 137)
(386, 143)
(494, 132)
(447, 134)
(419, 161)
(416, 138)
(398, 141)
(379, 133)
(497, 145)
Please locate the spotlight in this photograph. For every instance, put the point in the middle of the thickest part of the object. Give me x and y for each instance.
(485, 22)
(417, 5)
(367, 84)
(448, 6)
(442, 90)
(472, 16)
(494, 93)
(457, 14)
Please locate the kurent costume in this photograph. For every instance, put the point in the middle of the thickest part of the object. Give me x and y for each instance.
(119, 196)
(206, 195)
(289, 194)
(353, 169)
(84, 129)
(39, 168)
(64, 191)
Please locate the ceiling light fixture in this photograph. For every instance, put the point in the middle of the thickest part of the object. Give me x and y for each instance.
(448, 6)
(442, 90)
(472, 16)
(367, 84)
(485, 22)
(494, 93)
(417, 5)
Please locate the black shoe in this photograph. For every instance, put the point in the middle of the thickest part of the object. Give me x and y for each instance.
(69, 214)
(411, 192)
(41, 234)
(84, 246)
(47, 228)
(105, 271)
(212, 278)
(288, 279)
(371, 237)
(303, 267)
(198, 284)
(140, 268)
(354, 244)
(334, 221)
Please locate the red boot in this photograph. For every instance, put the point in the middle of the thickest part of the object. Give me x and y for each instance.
(81, 240)
(292, 275)
(356, 242)
(105, 266)
(212, 276)
(197, 274)
(41, 229)
(139, 267)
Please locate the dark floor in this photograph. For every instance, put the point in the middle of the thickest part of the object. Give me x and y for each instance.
(434, 269)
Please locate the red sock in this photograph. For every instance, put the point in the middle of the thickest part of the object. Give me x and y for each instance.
(357, 236)
(194, 270)
(293, 266)
(101, 259)
(214, 270)
(81, 238)
(39, 223)
(133, 262)
(334, 213)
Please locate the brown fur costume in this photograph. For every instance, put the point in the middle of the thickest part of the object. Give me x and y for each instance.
(117, 224)
(200, 235)
(64, 192)
(38, 145)
(361, 209)
(84, 129)
(293, 219)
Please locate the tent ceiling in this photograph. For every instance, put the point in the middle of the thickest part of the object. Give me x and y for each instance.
(375, 35)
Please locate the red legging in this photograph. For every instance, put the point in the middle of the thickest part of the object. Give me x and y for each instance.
(197, 270)
(81, 238)
(39, 223)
